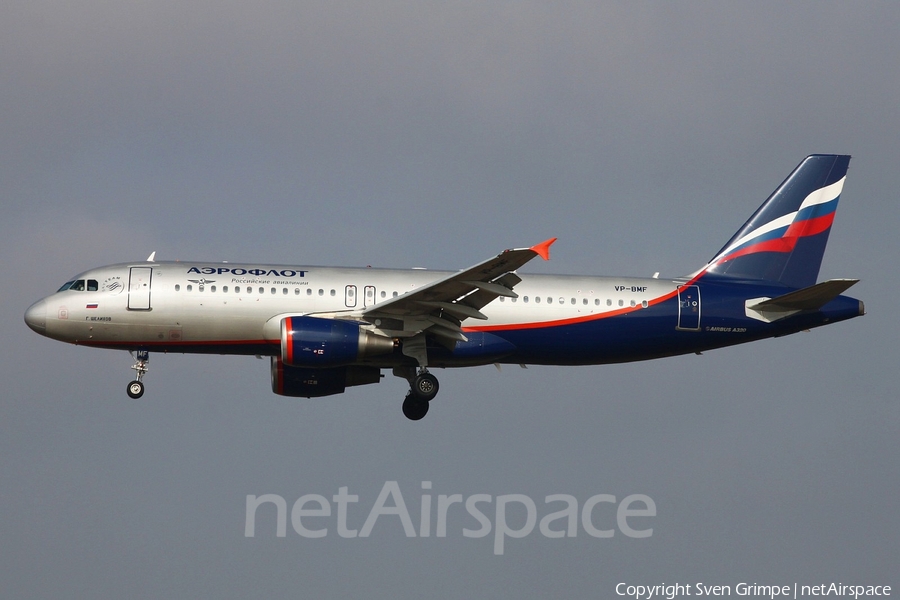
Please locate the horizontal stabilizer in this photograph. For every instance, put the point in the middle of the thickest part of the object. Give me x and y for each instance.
(809, 298)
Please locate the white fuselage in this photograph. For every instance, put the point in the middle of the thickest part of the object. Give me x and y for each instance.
(199, 307)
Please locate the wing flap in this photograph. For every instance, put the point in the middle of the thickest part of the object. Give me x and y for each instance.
(459, 310)
(493, 288)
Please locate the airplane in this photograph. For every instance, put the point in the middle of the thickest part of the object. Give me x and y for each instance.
(326, 329)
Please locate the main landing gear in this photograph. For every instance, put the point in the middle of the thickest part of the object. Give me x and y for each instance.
(136, 387)
(423, 386)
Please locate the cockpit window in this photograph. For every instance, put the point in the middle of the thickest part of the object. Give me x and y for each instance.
(80, 285)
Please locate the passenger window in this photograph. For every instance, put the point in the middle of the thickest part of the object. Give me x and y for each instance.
(573, 300)
(321, 292)
(562, 300)
(384, 294)
(212, 288)
(644, 303)
(537, 299)
(525, 299)
(596, 301)
(632, 303)
(92, 285)
(190, 288)
(177, 288)
(262, 290)
(284, 291)
(224, 289)
(331, 293)
(237, 289)
(621, 303)
(549, 300)
(609, 301)
(273, 290)
(584, 301)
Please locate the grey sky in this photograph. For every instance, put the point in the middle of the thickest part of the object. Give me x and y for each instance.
(398, 135)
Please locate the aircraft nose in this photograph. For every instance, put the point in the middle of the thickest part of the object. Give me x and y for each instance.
(36, 316)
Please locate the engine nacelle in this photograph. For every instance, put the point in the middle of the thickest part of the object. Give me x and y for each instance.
(317, 342)
(314, 383)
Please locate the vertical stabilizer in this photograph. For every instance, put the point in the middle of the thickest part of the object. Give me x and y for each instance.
(785, 238)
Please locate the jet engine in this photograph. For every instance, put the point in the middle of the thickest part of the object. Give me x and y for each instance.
(320, 343)
(314, 383)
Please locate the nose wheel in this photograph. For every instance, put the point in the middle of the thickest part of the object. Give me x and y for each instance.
(136, 388)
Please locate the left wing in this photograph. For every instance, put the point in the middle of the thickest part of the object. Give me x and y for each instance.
(440, 307)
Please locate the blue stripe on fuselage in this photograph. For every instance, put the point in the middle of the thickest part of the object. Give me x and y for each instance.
(648, 333)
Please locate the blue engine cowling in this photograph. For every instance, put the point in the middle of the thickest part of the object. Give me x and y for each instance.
(317, 342)
(314, 383)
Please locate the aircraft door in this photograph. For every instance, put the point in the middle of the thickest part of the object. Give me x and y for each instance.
(139, 280)
(350, 296)
(688, 308)
(369, 298)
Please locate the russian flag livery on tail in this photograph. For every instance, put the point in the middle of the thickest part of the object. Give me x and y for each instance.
(329, 328)
(785, 239)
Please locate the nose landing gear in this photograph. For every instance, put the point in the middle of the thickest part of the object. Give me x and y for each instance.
(136, 388)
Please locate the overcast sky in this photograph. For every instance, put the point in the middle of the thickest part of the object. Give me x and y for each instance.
(398, 135)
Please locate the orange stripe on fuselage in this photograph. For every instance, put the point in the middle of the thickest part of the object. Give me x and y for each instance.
(574, 320)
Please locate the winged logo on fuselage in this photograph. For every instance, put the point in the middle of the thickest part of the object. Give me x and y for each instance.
(202, 282)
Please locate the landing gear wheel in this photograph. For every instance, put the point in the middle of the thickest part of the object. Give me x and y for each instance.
(414, 409)
(135, 389)
(425, 387)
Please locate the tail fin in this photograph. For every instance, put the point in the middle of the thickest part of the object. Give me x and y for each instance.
(785, 238)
